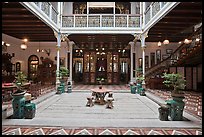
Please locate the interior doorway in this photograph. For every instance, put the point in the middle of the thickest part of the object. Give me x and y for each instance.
(33, 62)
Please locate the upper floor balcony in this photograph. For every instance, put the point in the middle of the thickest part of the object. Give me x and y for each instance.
(106, 22)
(136, 22)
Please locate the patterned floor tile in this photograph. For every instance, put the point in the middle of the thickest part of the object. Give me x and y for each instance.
(83, 132)
(176, 132)
(16, 131)
(97, 131)
(59, 132)
(130, 132)
(107, 132)
(153, 132)
(36, 132)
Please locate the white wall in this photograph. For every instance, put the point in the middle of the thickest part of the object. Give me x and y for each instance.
(152, 47)
(23, 55)
(67, 8)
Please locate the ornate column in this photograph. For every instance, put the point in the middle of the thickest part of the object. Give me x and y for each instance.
(131, 63)
(70, 62)
(132, 51)
(58, 59)
(70, 47)
(142, 39)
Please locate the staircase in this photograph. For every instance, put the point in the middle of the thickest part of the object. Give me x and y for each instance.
(185, 54)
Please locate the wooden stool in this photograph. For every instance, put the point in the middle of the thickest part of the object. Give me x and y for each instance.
(110, 94)
(109, 102)
(90, 101)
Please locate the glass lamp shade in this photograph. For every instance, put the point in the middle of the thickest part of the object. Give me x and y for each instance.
(186, 41)
(166, 42)
(23, 46)
(159, 44)
(197, 39)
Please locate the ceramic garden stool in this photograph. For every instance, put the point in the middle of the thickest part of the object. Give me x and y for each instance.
(29, 110)
(18, 103)
(163, 112)
(176, 109)
(69, 87)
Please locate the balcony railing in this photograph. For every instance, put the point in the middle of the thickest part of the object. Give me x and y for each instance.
(48, 9)
(152, 10)
(101, 20)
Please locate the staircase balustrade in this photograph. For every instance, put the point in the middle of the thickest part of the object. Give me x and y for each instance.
(178, 56)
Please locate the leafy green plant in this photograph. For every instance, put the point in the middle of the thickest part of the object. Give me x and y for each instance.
(100, 80)
(63, 72)
(20, 78)
(176, 81)
(140, 77)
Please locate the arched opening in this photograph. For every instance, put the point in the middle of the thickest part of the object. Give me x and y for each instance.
(33, 62)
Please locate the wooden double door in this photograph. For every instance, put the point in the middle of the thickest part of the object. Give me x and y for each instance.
(104, 65)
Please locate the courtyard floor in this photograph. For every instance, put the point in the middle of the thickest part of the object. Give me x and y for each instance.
(132, 115)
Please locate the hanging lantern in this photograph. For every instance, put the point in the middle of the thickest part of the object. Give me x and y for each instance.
(166, 41)
(23, 46)
(159, 44)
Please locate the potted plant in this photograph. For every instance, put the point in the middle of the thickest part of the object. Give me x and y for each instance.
(63, 73)
(140, 77)
(100, 81)
(139, 81)
(175, 81)
(18, 101)
(176, 106)
(20, 79)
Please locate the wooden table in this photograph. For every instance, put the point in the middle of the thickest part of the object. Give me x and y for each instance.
(99, 95)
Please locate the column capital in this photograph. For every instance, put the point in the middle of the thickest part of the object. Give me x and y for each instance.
(63, 37)
(144, 35)
(56, 34)
(58, 47)
(143, 47)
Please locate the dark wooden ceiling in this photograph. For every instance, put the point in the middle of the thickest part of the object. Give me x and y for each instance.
(178, 23)
(19, 22)
(102, 40)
